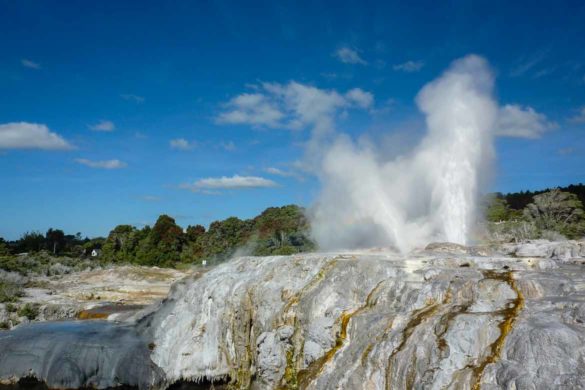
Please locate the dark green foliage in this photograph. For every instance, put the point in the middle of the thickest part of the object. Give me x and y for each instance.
(30, 311)
(55, 240)
(496, 209)
(121, 244)
(277, 231)
(30, 242)
(282, 231)
(519, 200)
(223, 237)
(4, 248)
(161, 245)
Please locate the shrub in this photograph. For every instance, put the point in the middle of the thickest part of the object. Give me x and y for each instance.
(9, 291)
(29, 311)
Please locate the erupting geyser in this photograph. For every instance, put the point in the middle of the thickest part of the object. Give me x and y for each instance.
(427, 195)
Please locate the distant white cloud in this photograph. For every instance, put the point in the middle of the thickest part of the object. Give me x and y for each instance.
(133, 98)
(409, 66)
(293, 106)
(349, 56)
(522, 122)
(580, 117)
(104, 125)
(278, 172)
(30, 64)
(283, 173)
(566, 151)
(229, 146)
(360, 97)
(235, 182)
(251, 108)
(527, 64)
(181, 144)
(103, 164)
(24, 135)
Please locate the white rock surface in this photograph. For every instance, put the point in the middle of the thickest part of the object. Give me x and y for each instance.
(443, 318)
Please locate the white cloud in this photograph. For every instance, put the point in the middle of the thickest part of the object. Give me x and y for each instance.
(409, 66)
(30, 64)
(580, 117)
(181, 144)
(133, 98)
(278, 172)
(349, 56)
(235, 182)
(252, 109)
(360, 97)
(282, 173)
(24, 135)
(293, 106)
(103, 164)
(103, 126)
(522, 122)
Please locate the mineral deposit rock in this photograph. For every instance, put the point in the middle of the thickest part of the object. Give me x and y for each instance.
(446, 317)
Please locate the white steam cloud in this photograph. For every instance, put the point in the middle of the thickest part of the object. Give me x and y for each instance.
(427, 195)
(370, 196)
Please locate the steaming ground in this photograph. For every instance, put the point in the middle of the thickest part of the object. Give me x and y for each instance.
(427, 195)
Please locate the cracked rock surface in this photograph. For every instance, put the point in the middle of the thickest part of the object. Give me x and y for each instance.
(447, 317)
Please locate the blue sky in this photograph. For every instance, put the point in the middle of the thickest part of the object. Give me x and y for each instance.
(116, 112)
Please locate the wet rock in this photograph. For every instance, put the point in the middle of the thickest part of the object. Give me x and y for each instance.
(77, 354)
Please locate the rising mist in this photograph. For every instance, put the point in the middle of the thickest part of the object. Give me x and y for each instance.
(429, 194)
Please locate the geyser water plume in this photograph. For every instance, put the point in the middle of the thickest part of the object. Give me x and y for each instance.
(427, 195)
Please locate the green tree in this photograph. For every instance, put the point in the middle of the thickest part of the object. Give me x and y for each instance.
(496, 209)
(163, 244)
(55, 240)
(30, 242)
(120, 245)
(193, 250)
(194, 233)
(557, 211)
(224, 237)
(281, 231)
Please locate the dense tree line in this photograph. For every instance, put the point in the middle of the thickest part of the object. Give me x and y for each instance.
(54, 241)
(278, 230)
